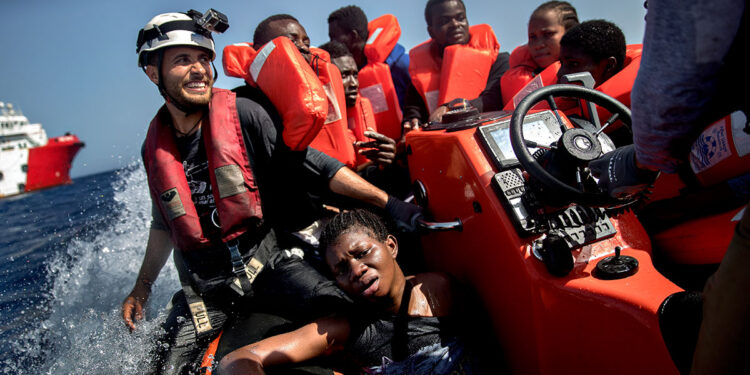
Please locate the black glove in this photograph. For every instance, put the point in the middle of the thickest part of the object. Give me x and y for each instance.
(619, 175)
(405, 215)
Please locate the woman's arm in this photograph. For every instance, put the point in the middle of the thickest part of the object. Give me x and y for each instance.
(320, 337)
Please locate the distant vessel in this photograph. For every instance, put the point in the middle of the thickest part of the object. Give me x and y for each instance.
(28, 159)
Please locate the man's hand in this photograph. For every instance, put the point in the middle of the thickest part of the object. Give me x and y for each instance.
(382, 150)
(437, 116)
(405, 215)
(619, 174)
(133, 305)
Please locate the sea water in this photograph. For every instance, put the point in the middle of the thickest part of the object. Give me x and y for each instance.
(68, 257)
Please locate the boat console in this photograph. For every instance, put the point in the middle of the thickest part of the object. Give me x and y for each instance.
(563, 270)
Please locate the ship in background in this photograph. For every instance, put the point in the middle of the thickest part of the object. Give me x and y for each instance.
(28, 159)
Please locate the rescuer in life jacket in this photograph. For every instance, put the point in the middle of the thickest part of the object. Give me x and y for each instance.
(693, 62)
(348, 26)
(376, 152)
(447, 25)
(225, 191)
(596, 46)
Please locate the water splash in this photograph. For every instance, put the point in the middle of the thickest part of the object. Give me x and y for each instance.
(81, 330)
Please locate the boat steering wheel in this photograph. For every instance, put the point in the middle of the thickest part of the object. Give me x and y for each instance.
(580, 144)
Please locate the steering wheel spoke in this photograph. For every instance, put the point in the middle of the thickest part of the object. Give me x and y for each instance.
(577, 146)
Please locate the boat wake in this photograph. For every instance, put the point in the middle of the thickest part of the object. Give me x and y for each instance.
(80, 329)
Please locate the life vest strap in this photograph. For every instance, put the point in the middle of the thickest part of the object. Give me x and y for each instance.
(198, 310)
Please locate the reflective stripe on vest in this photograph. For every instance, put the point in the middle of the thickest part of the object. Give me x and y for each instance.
(233, 184)
(286, 78)
(462, 71)
(384, 34)
(333, 138)
(375, 80)
(376, 84)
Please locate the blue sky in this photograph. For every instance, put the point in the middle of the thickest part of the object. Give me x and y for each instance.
(71, 65)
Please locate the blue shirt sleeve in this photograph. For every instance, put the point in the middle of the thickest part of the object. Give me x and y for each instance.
(398, 61)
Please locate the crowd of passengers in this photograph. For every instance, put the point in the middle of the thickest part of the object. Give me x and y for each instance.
(307, 280)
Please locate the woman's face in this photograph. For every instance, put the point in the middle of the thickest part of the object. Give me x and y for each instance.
(545, 32)
(364, 267)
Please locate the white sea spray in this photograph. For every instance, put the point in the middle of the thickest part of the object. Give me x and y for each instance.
(82, 331)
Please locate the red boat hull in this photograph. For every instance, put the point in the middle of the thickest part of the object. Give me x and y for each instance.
(50, 164)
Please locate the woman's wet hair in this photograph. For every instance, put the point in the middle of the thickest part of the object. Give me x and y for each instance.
(349, 221)
(566, 12)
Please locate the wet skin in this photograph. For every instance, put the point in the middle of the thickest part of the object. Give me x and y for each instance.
(349, 72)
(573, 60)
(449, 24)
(366, 268)
(295, 32)
(545, 32)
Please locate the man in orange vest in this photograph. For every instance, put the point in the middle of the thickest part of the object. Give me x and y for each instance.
(448, 25)
(379, 149)
(226, 194)
(348, 26)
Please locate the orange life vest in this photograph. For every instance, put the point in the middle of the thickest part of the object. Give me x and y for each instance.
(521, 74)
(288, 81)
(333, 138)
(520, 79)
(234, 187)
(461, 72)
(361, 117)
(375, 81)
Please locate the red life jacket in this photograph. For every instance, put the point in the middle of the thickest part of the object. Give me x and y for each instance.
(361, 117)
(461, 72)
(287, 80)
(375, 81)
(333, 138)
(234, 187)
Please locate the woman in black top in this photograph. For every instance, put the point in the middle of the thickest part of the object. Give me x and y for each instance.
(402, 327)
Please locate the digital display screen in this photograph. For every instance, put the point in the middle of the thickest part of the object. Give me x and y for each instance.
(535, 131)
(540, 128)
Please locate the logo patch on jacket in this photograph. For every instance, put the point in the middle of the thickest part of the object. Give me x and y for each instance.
(170, 201)
(229, 180)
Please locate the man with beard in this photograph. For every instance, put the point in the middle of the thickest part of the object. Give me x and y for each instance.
(447, 25)
(219, 175)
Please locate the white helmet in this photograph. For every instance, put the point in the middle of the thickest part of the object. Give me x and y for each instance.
(172, 29)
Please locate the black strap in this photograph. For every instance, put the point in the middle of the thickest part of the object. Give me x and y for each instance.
(246, 272)
(400, 340)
